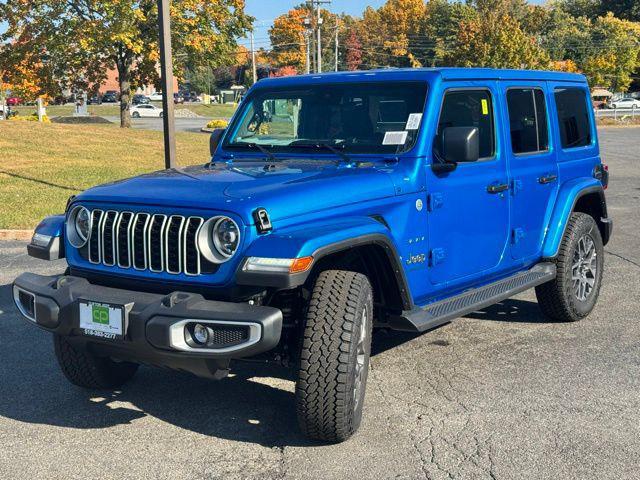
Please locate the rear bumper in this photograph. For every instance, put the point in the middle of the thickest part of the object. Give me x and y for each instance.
(154, 324)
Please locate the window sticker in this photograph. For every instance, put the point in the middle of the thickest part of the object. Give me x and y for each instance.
(485, 106)
(395, 138)
(413, 122)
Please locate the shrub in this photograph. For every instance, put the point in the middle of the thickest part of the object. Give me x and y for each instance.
(29, 118)
(217, 123)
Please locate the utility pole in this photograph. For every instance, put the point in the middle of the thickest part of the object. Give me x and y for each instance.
(253, 60)
(166, 74)
(307, 39)
(316, 4)
(319, 41)
(336, 53)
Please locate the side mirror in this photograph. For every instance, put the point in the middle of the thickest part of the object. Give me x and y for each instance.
(214, 140)
(461, 144)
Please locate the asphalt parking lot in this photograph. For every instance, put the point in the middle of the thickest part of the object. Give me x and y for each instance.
(499, 394)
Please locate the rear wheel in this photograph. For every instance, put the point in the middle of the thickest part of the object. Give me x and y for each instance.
(334, 357)
(135, 115)
(580, 263)
(86, 370)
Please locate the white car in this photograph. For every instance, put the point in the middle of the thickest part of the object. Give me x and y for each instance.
(147, 110)
(156, 97)
(626, 103)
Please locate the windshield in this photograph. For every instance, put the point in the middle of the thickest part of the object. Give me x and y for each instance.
(352, 117)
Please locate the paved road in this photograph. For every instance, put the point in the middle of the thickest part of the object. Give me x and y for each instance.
(499, 394)
(182, 124)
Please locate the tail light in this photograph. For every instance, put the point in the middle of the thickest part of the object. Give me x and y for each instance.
(601, 172)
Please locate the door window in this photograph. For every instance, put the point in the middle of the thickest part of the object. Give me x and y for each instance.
(527, 120)
(573, 117)
(468, 108)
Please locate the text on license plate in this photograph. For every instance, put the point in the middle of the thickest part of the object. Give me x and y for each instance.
(101, 320)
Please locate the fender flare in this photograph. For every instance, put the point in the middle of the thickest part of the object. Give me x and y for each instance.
(52, 227)
(568, 196)
(321, 240)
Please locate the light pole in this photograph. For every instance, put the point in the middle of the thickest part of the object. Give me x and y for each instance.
(307, 40)
(166, 74)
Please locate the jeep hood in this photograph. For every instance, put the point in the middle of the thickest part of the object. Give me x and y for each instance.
(285, 189)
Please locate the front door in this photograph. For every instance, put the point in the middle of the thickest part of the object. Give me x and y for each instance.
(468, 207)
(532, 164)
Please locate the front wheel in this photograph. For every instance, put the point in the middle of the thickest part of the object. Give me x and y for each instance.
(83, 368)
(334, 356)
(580, 263)
(135, 115)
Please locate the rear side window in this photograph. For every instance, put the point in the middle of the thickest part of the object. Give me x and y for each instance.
(527, 120)
(469, 108)
(573, 117)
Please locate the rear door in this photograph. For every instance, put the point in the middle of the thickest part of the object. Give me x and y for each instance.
(469, 207)
(532, 164)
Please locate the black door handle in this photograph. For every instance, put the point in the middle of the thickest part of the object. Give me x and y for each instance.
(548, 179)
(497, 187)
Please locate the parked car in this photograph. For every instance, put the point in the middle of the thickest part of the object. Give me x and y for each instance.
(178, 98)
(626, 103)
(421, 196)
(191, 97)
(140, 100)
(109, 98)
(94, 100)
(13, 101)
(156, 97)
(146, 110)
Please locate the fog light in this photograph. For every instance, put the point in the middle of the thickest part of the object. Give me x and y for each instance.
(201, 334)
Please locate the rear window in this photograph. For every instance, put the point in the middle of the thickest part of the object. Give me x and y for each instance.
(573, 117)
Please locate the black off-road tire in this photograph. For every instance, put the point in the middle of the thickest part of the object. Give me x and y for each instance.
(336, 345)
(86, 370)
(557, 299)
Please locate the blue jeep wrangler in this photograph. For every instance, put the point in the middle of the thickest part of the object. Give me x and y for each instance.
(331, 205)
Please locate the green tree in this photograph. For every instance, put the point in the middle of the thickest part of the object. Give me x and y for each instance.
(495, 39)
(83, 38)
(614, 53)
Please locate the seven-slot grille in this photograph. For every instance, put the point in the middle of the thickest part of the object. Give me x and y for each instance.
(144, 241)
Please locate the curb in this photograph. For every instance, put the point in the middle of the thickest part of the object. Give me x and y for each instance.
(16, 234)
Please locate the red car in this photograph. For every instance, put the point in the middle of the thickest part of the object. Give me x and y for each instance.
(13, 101)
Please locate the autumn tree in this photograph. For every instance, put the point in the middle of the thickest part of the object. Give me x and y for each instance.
(288, 40)
(83, 38)
(353, 49)
(614, 55)
(495, 39)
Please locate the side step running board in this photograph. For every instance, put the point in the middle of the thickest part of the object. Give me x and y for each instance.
(435, 314)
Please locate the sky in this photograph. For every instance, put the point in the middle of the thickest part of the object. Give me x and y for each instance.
(265, 11)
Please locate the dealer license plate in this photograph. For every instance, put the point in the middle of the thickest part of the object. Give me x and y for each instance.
(102, 320)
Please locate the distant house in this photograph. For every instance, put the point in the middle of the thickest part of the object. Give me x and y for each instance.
(111, 83)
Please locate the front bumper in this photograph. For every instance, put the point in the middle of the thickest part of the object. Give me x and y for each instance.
(154, 323)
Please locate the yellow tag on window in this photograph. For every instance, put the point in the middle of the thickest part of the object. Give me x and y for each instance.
(485, 106)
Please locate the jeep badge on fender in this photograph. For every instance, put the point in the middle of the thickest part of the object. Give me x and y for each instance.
(331, 206)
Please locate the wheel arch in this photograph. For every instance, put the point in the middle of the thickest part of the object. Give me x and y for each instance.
(376, 257)
(581, 195)
(362, 244)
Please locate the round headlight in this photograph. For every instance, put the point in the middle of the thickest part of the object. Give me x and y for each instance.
(83, 223)
(78, 226)
(219, 239)
(226, 236)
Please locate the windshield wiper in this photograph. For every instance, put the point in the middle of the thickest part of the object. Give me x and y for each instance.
(257, 146)
(327, 146)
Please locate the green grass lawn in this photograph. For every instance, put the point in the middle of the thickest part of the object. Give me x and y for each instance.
(41, 165)
(112, 109)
